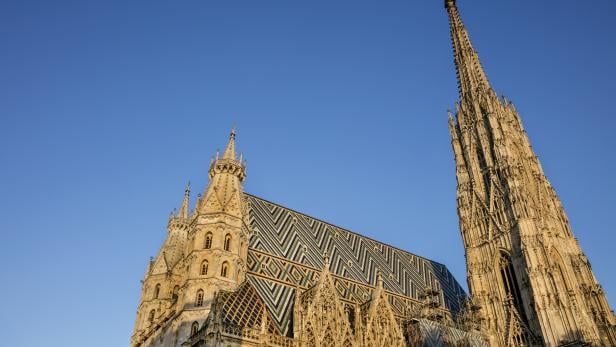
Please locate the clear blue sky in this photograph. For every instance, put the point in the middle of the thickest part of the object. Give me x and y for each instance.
(109, 107)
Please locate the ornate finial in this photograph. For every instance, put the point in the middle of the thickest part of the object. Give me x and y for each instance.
(449, 116)
(233, 131)
(452, 126)
(326, 260)
(379, 278)
(183, 213)
(227, 162)
(450, 3)
(229, 152)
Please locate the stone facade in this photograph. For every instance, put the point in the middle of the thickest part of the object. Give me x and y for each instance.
(238, 270)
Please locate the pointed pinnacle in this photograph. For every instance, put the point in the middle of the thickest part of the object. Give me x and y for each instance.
(230, 150)
(184, 207)
(379, 279)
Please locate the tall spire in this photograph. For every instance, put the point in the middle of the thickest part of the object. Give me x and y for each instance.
(511, 216)
(471, 76)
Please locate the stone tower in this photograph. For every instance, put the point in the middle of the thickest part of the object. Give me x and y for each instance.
(205, 252)
(525, 269)
(217, 241)
(161, 283)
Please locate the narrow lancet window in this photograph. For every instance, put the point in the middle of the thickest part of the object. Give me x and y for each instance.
(199, 299)
(510, 283)
(208, 241)
(175, 293)
(194, 328)
(224, 269)
(156, 291)
(227, 242)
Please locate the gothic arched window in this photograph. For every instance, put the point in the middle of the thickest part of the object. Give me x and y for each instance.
(513, 296)
(199, 299)
(227, 242)
(510, 282)
(204, 266)
(224, 269)
(194, 328)
(151, 316)
(208, 241)
(156, 291)
(175, 292)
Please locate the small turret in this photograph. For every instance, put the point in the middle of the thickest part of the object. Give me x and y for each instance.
(179, 218)
(229, 163)
(161, 283)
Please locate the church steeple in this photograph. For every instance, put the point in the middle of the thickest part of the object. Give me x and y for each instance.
(520, 252)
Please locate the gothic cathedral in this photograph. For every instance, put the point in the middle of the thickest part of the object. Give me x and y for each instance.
(239, 270)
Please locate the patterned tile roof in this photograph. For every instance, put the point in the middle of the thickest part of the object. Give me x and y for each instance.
(287, 251)
(243, 308)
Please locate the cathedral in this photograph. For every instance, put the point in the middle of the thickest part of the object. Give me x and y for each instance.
(238, 270)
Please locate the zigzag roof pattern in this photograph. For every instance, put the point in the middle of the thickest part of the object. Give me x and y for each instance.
(243, 308)
(286, 252)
